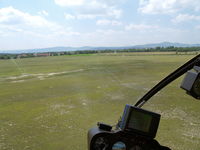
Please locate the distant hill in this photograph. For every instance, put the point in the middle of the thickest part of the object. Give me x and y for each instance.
(167, 44)
(59, 49)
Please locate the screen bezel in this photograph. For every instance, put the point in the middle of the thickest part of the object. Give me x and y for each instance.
(153, 125)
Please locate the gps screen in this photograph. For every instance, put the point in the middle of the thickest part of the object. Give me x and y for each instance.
(139, 121)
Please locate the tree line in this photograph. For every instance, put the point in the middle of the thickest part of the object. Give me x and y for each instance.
(156, 49)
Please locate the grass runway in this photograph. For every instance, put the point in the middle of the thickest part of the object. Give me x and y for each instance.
(49, 103)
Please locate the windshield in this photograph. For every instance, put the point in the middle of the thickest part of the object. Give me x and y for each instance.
(65, 65)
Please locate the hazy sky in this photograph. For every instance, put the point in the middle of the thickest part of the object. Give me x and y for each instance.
(28, 24)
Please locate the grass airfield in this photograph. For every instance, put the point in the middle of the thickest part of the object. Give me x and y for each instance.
(49, 103)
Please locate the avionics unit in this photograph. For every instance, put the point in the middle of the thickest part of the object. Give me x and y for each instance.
(140, 121)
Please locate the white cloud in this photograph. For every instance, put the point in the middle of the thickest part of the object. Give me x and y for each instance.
(106, 22)
(110, 13)
(13, 17)
(87, 16)
(64, 3)
(157, 6)
(103, 22)
(43, 13)
(80, 16)
(111, 2)
(116, 13)
(140, 27)
(14, 21)
(69, 16)
(90, 9)
(185, 17)
(97, 9)
(167, 6)
(100, 12)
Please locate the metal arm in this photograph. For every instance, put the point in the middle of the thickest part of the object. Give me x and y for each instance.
(171, 77)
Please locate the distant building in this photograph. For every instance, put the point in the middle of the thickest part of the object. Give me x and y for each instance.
(21, 55)
(41, 54)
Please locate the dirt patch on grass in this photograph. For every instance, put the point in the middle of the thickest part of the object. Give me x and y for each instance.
(40, 76)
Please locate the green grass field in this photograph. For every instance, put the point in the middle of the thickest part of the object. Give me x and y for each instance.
(49, 103)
